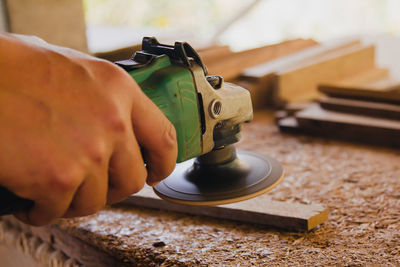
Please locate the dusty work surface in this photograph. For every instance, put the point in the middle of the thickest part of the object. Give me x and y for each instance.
(360, 185)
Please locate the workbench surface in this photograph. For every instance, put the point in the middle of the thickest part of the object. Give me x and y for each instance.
(360, 185)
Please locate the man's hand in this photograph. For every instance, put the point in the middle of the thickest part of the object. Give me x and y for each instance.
(71, 129)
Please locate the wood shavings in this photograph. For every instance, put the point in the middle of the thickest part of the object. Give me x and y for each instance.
(29, 245)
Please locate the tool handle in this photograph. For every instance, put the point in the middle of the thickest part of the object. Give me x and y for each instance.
(10, 203)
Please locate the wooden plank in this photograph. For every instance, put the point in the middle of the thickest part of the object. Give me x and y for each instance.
(356, 128)
(119, 54)
(288, 216)
(315, 112)
(260, 79)
(279, 64)
(208, 55)
(384, 90)
(367, 108)
(212, 54)
(289, 124)
(59, 22)
(232, 66)
(292, 108)
(364, 78)
(261, 94)
(300, 83)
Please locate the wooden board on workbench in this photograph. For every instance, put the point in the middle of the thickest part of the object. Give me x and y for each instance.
(312, 52)
(386, 90)
(288, 216)
(208, 55)
(119, 54)
(366, 108)
(212, 54)
(232, 65)
(260, 79)
(317, 121)
(260, 92)
(300, 82)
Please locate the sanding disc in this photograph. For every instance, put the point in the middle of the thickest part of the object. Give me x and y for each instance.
(249, 175)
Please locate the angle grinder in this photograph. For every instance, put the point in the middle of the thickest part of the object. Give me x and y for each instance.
(207, 114)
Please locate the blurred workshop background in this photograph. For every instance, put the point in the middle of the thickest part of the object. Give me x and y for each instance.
(238, 23)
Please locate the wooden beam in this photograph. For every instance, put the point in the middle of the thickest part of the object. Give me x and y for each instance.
(260, 79)
(386, 89)
(350, 127)
(234, 64)
(365, 78)
(212, 54)
(366, 108)
(119, 54)
(284, 215)
(299, 83)
(312, 52)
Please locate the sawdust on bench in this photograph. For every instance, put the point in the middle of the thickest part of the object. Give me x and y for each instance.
(360, 185)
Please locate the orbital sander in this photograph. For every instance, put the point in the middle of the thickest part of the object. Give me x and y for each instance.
(207, 114)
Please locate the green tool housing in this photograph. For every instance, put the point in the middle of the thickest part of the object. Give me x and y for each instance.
(163, 73)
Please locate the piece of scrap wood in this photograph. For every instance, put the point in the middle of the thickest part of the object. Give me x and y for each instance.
(233, 65)
(208, 55)
(384, 90)
(356, 128)
(365, 78)
(279, 64)
(119, 54)
(260, 79)
(367, 108)
(212, 54)
(289, 124)
(300, 83)
(289, 110)
(284, 215)
(261, 95)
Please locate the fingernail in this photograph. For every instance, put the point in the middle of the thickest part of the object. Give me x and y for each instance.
(153, 183)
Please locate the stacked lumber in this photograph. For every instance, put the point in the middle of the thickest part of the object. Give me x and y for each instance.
(295, 78)
(231, 65)
(365, 108)
(292, 70)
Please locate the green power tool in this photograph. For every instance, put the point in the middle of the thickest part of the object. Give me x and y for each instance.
(207, 114)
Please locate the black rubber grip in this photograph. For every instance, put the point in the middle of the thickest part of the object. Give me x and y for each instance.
(10, 202)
